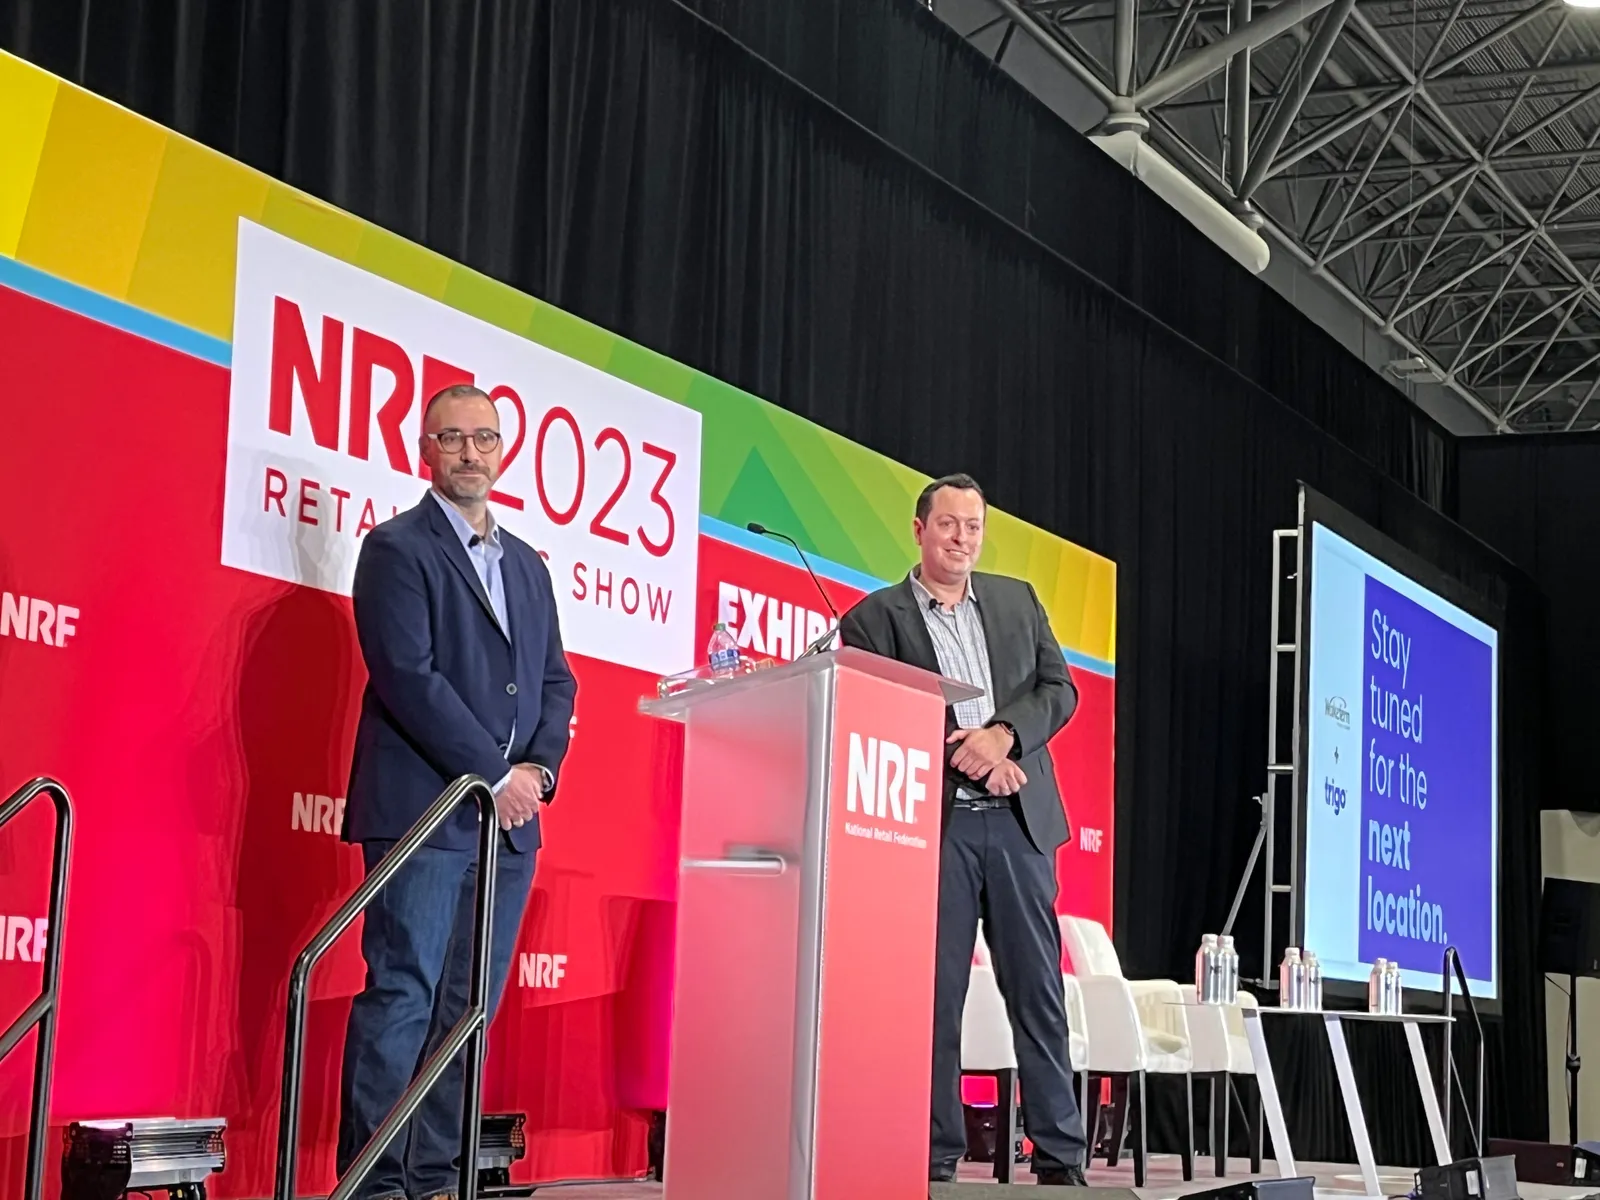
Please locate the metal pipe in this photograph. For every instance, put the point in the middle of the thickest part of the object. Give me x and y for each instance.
(1333, 130)
(1349, 202)
(1532, 161)
(1461, 276)
(1554, 115)
(42, 1012)
(1175, 38)
(1079, 70)
(1427, 255)
(1123, 34)
(1333, 281)
(1206, 62)
(470, 1028)
(1490, 38)
(1316, 57)
(1578, 412)
(1239, 100)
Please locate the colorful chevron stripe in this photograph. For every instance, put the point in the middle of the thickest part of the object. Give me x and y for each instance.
(106, 203)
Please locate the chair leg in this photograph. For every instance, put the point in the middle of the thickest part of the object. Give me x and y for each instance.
(1188, 1127)
(1005, 1132)
(1254, 1122)
(1220, 1097)
(1120, 1112)
(1136, 1100)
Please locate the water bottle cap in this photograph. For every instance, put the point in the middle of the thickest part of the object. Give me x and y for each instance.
(719, 625)
(1207, 939)
(1226, 939)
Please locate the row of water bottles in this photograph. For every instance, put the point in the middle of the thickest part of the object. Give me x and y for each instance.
(1216, 970)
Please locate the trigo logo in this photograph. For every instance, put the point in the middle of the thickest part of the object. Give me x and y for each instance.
(1335, 708)
(330, 369)
(884, 779)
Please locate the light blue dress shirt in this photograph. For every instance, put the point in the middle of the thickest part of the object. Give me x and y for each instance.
(486, 552)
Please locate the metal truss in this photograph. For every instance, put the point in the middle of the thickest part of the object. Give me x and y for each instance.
(1436, 162)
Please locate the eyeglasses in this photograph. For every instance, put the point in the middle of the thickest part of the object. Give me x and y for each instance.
(453, 441)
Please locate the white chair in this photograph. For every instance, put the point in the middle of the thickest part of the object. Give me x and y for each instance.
(1134, 1028)
(987, 1047)
(1220, 1051)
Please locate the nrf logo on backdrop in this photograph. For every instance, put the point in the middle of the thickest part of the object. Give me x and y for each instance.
(541, 970)
(23, 938)
(331, 369)
(30, 619)
(317, 814)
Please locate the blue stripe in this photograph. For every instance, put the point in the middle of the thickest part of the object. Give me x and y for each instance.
(53, 290)
(1087, 662)
(773, 548)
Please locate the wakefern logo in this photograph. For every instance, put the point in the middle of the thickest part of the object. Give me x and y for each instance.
(30, 619)
(1337, 710)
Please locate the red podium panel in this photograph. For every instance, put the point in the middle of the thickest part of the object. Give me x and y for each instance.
(875, 1043)
(808, 898)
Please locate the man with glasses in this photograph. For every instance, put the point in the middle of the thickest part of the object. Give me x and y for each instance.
(466, 676)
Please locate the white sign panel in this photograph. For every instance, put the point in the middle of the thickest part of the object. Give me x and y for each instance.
(331, 366)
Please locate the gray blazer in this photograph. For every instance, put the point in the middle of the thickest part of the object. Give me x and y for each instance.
(1032, 690)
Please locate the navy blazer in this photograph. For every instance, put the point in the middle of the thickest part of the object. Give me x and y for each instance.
(445, 687)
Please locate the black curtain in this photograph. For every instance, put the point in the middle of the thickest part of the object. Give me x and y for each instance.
(1537, 500)
(637, 165)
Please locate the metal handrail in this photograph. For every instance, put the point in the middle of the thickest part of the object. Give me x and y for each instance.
(1452, 959)
(42, 1012)
(469, 1032)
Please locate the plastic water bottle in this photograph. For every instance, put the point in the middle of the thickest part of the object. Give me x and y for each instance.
(1208, 971)
(1377, 984)
(1291, 979)
(722, 652)
(1230, 969)
(1394, 989)
(1313, 982)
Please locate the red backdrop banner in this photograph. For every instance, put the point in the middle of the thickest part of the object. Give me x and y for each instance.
(202, 717)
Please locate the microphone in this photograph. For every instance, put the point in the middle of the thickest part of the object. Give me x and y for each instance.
(756, 527)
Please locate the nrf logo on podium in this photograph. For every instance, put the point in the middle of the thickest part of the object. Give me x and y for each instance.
(884, 779)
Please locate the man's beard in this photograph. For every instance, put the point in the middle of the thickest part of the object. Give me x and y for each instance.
(467, 485)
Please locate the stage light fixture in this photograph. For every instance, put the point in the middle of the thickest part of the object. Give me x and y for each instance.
(102, 1160)
(501, 1142)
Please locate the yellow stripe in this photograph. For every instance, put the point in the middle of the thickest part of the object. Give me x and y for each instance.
(27, 95)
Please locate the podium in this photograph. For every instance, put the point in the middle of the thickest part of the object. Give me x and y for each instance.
(807, 909)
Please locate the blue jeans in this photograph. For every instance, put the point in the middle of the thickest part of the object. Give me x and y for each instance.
(417, 942)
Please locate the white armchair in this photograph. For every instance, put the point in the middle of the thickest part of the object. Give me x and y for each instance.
(1134, 1027)
(987, 1048)
(1220, 1051)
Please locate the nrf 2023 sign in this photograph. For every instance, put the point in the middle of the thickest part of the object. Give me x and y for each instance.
(331, 367)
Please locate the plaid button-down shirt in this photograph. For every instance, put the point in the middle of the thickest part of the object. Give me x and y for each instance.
(962, 648)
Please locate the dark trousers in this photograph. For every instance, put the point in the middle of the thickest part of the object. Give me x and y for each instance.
(417, 941)
(989, 870)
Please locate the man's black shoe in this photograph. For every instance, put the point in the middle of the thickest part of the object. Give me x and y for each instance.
(945, 1174)
(1060, 1177)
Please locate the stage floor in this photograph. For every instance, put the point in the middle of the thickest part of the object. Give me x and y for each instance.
(1164, 1180)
